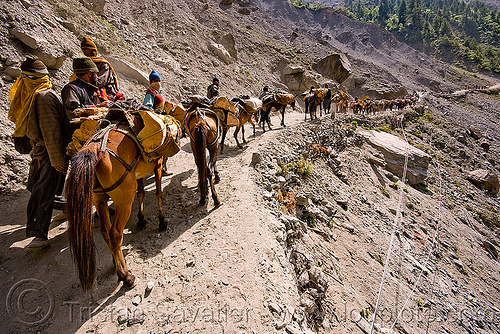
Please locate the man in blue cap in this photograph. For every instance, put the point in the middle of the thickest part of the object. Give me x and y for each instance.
(153, 98)
(154, 101)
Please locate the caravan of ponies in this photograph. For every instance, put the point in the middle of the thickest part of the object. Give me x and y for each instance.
(119, 154)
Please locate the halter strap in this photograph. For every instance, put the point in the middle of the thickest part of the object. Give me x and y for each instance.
(128, 169)
(101, 136)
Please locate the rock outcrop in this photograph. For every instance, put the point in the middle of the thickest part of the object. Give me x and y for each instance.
(335, 66)
(227, 41)
(124, 68)
(51, 55)
(220, 51)
(394, 149)
(484, 179)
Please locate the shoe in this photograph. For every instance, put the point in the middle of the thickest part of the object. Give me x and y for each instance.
(36, 244)
(59, 203)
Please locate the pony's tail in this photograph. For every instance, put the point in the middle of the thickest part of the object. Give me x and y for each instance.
(79, 188)
(200, 138)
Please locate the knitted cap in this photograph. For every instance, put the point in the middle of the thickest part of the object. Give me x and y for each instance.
(88, 43)
(154, 76)
(215, 79)
(84, 65)
(33, 64)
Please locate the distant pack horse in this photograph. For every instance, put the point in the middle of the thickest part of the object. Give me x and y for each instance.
(278, 102)
(312, 100)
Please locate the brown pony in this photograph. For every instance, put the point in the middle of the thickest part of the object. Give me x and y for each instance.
(245, 115)
(312, 100)
(279, 103)
(97, 173)
(203, 127)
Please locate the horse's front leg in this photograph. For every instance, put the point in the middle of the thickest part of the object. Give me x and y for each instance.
(141, 223)
(283, 116)
(243, 133)
(159, 195)
(236, 136)
(224, 132)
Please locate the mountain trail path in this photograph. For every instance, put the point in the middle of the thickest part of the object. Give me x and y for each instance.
(211, 271)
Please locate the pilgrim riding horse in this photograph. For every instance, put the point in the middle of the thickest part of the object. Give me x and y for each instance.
(203, 128)
(108, 166)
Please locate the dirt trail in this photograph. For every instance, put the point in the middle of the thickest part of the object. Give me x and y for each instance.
(212, 270)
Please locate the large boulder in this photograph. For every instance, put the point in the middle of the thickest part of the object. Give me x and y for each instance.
(97, 6)
(227, 41)
(123, 68)
(26, 38)
(50, 54)
(220, 51)
(484, 179)
(394, 149)
(335, 66)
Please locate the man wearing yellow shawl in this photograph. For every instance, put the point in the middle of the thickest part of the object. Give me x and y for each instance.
(106, 78)
(38, 113)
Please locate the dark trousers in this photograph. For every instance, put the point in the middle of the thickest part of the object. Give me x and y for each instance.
(43, 183)
(326, 105)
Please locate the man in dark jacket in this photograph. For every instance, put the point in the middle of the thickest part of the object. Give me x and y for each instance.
(213, 89)
(49, 131)
(82, 92)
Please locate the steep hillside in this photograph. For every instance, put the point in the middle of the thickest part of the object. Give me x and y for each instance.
(300, 242)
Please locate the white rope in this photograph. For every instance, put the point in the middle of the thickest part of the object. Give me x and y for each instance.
(428, 254)
(395, 225)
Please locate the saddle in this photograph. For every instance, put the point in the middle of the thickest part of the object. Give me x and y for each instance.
(226, 111)
(156, 135)
(283, 98)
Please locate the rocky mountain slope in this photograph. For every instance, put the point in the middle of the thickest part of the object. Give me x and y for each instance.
(300, 242)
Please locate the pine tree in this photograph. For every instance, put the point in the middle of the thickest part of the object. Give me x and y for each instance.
(402, 13)
(383, 11)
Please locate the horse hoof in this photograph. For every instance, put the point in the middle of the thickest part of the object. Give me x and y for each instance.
(217, 203)
(129, 281)
(162, 227)
(202, 202)
(141, 225)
